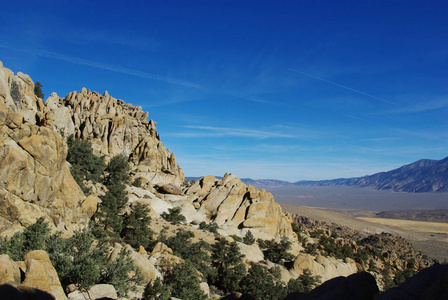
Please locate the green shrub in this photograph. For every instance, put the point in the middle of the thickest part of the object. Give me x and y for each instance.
(116, 197)
(262, 284)
(174, 215)
(135, 230)
(121, 273)
(236, 238)
(304, 283)
(84, 164)
(38, 90)
(197, 253)
(156, 290)
(227, 261)
(79, 259)
(249, 239)
(183, 281)
(34, 237)
(275, 251)
(137, 182)
(212, 226)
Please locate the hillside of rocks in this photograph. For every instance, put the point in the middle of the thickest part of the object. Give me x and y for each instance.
(37, 187)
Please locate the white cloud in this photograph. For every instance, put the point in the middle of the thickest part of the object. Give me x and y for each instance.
(212, 131)
(434, 104)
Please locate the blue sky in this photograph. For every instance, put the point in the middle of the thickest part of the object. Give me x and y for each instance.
(290, 90)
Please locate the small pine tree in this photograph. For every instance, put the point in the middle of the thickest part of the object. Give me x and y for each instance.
(156, 290)
(38, 90)
(249, 239)
(115, 198)
(183, 281)
(276, 252)
(174, 215)
(85, 165)
(262, 284)
(228, 263)
(135, 230)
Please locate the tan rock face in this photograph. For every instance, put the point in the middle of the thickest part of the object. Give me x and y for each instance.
(40, 274)
(232, 204)
(325, 267)
(9, 271)
(34, 176)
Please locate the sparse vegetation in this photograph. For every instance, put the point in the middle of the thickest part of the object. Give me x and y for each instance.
(78, 260)
(174, 215)
(212, 226)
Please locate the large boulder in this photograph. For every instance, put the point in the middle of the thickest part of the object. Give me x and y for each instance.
(325, 267)
(40, 274)
(9, 271)
(98, 291)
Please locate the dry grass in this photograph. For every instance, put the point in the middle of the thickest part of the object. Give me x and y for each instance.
(417, 226)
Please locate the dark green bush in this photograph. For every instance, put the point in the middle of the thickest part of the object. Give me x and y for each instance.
(84, 164)
(183, 281)
(135, 230)
(116, 197)
(212, 226)
(38, 90)
(304, 283)
(262, 284)
(156, 290)
(227, 261)
(78, 260)
(174, 215)
(249, 239)
(275, 251)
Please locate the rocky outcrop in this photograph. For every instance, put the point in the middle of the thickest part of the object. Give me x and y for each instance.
(10, 271)
(237, 208)
(115, 127)
(35, 179)
(98, 291)
(40, 274)
(325, 267)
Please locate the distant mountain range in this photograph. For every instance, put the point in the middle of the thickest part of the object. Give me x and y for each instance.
(425, 175)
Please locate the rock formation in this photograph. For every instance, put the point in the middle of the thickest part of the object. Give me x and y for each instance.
(35, 178)
(233, 205)
(114, 128)
(38, 273)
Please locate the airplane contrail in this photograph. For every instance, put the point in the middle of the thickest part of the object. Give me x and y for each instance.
(344, 87)
(127, 71)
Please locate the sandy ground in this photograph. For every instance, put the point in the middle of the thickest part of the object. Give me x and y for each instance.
(432, 244)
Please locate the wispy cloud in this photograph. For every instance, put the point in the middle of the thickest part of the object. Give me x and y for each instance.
(133, 72)
(438, 103)
(266, 148)
(344, 87)
(211, 131)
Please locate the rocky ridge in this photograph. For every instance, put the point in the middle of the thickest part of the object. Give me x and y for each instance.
(114, 127)
(35, 178)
